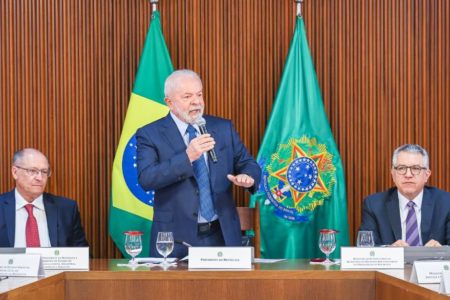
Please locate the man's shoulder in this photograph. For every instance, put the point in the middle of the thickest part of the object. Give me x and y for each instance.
(436, 193)
(155, 124)
(6, 196)
(217, 121)
(384, 195)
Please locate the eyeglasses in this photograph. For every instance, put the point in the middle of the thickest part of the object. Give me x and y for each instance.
(415, 170)
(36, 172)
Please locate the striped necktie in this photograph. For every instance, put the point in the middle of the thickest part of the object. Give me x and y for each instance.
(412, 230)
(202, 176)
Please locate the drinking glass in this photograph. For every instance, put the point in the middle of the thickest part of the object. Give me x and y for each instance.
(133, 244)
(365, 239)
(327, 243)
(164, 244)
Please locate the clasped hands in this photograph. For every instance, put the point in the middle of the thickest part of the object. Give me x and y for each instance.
(402, 243)
(205, 142)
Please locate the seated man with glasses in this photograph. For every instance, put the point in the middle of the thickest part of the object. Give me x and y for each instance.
(31, 218)
(411, 214)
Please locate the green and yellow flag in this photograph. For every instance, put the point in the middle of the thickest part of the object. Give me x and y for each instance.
(303, 187)
(132, 207)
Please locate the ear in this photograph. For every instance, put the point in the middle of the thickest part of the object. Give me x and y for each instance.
(168, 102)
(14, 172)
(427, 174)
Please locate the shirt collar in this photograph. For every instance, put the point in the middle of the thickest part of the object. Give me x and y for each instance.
(404, 201)
(21, 202)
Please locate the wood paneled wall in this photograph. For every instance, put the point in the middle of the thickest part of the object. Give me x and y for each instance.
(68, 66)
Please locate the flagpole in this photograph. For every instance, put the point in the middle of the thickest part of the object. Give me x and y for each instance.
(299, 8)
(154, 5)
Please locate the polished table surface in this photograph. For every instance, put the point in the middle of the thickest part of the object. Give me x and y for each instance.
(280, 280)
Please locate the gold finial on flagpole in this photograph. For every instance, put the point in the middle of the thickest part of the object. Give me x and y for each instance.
(299, 7)
(154, 4)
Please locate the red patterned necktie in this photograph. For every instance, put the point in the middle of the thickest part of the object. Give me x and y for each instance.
(31, 229)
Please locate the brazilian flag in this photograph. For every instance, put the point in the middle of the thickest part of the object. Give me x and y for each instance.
(131, 207)
(302, 190)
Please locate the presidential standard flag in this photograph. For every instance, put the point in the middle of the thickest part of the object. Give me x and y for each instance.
(303, 187)
(132, 207)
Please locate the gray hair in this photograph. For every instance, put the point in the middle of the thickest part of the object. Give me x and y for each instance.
(174, 79)
(19, 154)
(411, 148)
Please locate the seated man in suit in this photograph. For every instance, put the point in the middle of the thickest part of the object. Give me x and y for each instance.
(410, 214)
(193, 191)
(31, 218)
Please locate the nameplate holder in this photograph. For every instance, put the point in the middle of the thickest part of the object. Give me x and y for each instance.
(21, 265)
(63, 258)
(444, 286)
(428, 271)
(220, 257)
(372, 258)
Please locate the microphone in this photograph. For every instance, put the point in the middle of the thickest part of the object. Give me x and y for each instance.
(183, 243)
(202, 126)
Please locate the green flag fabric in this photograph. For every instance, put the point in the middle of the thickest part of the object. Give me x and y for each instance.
(303, 188)
(131, 207)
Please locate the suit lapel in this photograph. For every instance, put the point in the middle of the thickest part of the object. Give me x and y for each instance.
(10, 217)
(393, 212)
(170, 132)
(426, 214)
(51, 211)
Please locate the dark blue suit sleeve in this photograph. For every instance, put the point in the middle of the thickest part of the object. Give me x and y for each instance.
(369, 222)
(243, 161)
(158, 167)
(78, 238)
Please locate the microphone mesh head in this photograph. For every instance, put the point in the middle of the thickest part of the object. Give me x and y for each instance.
(200, 121)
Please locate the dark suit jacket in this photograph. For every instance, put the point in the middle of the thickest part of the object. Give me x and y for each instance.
(381, 214)
(164, 166)
(63, 221)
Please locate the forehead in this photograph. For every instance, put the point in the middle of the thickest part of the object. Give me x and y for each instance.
(33, 159)
(409, 158)
(188, 85)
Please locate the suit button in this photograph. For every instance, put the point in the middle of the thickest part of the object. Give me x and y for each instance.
(197, 191)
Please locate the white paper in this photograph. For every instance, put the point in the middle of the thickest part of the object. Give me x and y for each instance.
(372, 258)
(63, 258)
(428, 271)
(220, 257)
(27, 265)
(444, 287)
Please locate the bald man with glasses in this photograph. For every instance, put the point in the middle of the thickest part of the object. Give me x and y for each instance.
(29, 217)
(410, 214)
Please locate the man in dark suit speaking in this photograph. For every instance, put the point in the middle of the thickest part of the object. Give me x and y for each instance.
(31, 218)
(192, 171)
(410, 214)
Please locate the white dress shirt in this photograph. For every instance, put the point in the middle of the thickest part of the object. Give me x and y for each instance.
(20, 240)
(182, 127)
(403, 205)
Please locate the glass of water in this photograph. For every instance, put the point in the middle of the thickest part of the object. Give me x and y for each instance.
(164, 244)
(365, 239)
(133, 244)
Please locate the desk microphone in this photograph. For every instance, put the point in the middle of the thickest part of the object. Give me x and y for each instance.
(183, 243)
(202, 126)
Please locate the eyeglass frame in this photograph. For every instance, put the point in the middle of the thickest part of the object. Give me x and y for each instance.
(35, 172)
(417, 169)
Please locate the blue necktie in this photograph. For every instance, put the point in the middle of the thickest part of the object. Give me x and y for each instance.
(412, 230)
(202, 176)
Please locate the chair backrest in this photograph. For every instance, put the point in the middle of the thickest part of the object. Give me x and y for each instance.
(249, 218)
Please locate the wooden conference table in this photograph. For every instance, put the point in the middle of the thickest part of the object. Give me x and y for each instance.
(290, 279)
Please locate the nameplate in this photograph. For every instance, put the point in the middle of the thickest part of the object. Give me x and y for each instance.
(428, 271)
(63, 258)
(372, 258)
(220, 257)
(24, 265)
(444, 287)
